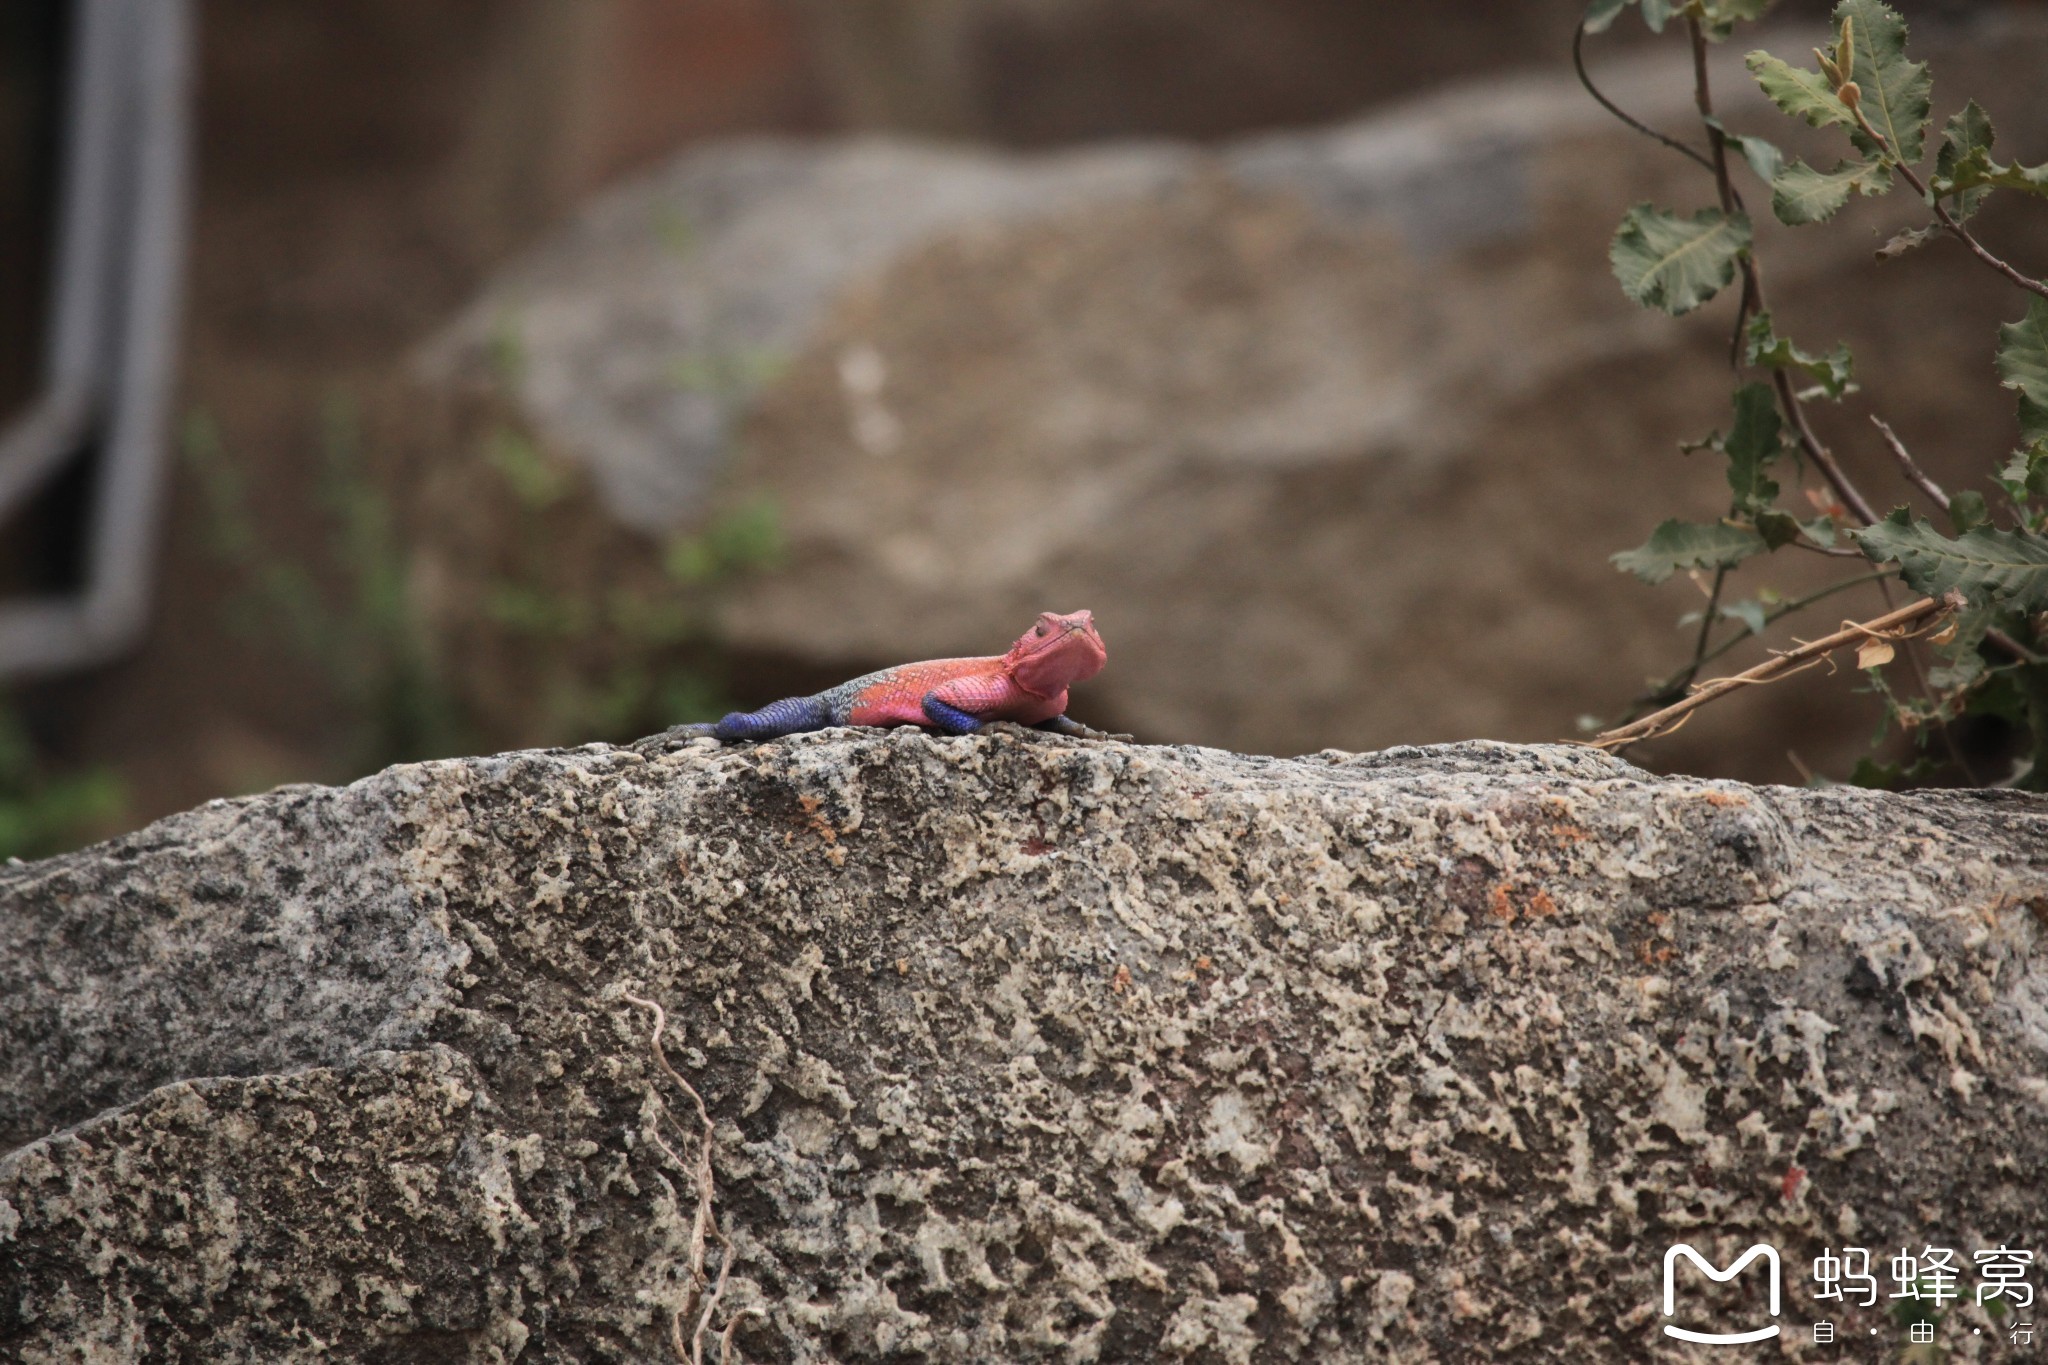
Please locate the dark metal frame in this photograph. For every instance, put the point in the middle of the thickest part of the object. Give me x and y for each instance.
(111, 337)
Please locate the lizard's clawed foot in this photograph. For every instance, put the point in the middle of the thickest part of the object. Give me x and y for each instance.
(1067, 725)
(677, 737)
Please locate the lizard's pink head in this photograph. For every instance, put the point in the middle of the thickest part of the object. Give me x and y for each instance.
(1057, 652)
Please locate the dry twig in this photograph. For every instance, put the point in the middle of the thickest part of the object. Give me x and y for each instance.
(1891, 626)
(705, 1293)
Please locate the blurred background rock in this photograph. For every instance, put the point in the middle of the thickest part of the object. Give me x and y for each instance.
(552, 368)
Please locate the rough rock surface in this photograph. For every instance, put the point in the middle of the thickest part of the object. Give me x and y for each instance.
(1018, 1048)
(1369, 392)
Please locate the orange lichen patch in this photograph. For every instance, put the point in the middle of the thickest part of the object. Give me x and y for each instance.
(1790, 1183)
(1120, 980)
(1536, 903)
(1653, 954)
(1723, 799)
(815, 821)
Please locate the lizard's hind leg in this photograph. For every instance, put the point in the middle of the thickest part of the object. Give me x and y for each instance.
(948, 719)
(793, 716)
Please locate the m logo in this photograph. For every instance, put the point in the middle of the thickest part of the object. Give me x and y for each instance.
(1769, 1254)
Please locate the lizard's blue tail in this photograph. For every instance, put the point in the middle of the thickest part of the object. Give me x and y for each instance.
(792, 716)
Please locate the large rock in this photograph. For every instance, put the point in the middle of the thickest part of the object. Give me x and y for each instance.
(1017, 1048)
(1334, 430)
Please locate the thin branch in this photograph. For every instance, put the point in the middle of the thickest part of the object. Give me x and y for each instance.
(1717, 146)
(1823, 459)
(1947, 220)
(1831, 551)
(1915, 475)
(1699, 646)
(1753, 293)
(1703, 100)
(1919, 478)
(1585, 79)
(1892, 625)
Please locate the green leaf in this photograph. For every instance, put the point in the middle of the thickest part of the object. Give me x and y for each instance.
(1657, 13)
(1821, 531)
(1751, 447)
(1983, 564)
(1718, 18)
(1750, 612)
(2023, 356)
(1778, 529)
(1801, 93)
(1895, 91)
(1833, 372)
(1802, 194)
(1964, 170)
(2033, 421)
(1976, 174)
(1763, 157)
(1677, 264)
(1966, 510)
(1965, 665)
(1601, 14)
(2026, 472)
(1688, 545)
(1962, 137)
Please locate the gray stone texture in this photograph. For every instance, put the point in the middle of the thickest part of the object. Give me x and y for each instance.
(1018, 1048)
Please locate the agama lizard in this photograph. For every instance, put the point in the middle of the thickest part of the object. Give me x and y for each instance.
(1028, 685)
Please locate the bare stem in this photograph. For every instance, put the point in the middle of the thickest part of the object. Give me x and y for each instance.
(1914, 473)
(1717, 147)
(1823, 459)
(1753, 295)
(1585, 79)
(1947, 220)
(1892, 625)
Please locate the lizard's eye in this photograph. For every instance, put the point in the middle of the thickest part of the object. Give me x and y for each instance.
(1040, 630)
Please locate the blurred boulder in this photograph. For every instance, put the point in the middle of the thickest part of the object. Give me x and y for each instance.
(1334, 430)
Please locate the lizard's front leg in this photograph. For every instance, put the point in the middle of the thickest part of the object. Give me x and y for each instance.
(948, 719)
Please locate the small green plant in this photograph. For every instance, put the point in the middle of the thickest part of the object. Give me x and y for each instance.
(601, 657)
(347, 611)
(659, 668)
(43, 811)
(1982, 580)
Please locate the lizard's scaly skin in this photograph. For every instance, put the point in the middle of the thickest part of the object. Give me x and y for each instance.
(1027, 685)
